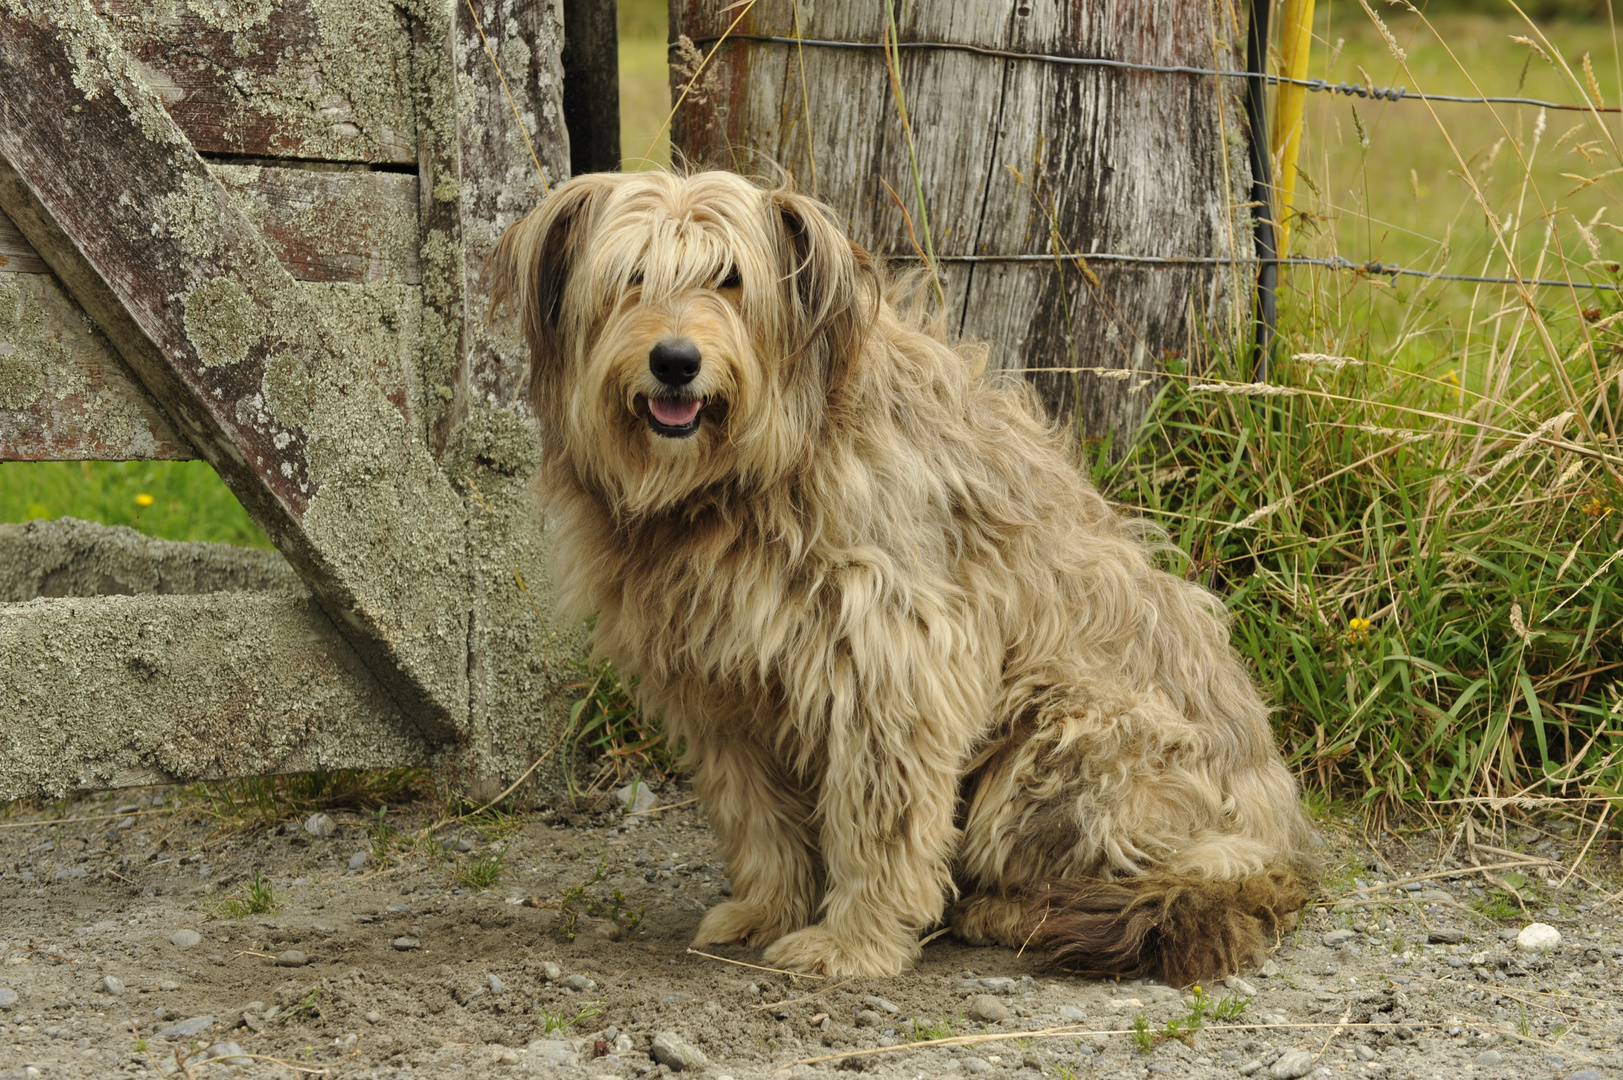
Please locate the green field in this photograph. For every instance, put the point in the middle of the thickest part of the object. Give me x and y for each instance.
(1418, 528)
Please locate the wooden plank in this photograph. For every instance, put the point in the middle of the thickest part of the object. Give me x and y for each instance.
(175, 688)
(259, 378)
(1011, 153)
(332, 226)
(323, 225)
(17, 255)
(67, 557)
(278, 78)
(65, 393)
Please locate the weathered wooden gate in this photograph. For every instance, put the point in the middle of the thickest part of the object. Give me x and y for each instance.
(252, 231)
(1025, 160)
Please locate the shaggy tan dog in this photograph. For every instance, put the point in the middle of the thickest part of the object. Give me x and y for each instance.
(914, 656)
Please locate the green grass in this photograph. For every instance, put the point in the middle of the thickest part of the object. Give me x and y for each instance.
(260, 899)
(483, 870)
(188, 500)
(262, 802)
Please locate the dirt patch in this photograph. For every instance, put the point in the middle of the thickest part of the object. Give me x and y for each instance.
(385, 958)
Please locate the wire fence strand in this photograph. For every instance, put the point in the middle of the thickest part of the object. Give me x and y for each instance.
(1323, 86)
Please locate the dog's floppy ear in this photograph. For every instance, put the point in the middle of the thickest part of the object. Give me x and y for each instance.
(830, 281)
(531, 267)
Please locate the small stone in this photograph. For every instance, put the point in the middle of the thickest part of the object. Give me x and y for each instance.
(1269, 969)
(112, 984)
(1586, 1074)
(552, 971)
(1364, 1053)
(603, 929)
(320, 826)
(1240, 986)
(868, 1018)
(398, 909)
(1252, 1066)
(988, 1009)
(1291, 1064)
(552, 1052)
(71, 872)
(8, 998)
(495, 984)
(1538, 937)
(1124, 1004)
(636, 798)
(1446, 936)
(226, 1051)
(458, 845)
(579, 982)
(291, 958)
(672, 1051)
(185, 939)
(881, 1004)
(622, 1044)
(359, 859)
(187, 1028)
(1337, 938)
(1479, 958)
(373, 1017)
(1489, 1057)
(406, 944)
(1071, 1014)
(505, 1055)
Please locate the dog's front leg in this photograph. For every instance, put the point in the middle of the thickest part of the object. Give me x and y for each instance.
(887, 840)
(762, 820)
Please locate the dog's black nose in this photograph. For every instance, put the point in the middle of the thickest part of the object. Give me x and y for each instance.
(674, 362)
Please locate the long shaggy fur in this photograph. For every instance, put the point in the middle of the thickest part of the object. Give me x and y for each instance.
(916, 658)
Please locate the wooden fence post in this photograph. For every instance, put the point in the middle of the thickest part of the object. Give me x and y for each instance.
(1017, 156)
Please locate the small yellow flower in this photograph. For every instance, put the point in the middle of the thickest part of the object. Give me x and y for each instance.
(1597, 507)
(1357, 631)
(144, 499)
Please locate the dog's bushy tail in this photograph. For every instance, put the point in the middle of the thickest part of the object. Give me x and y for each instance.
(1184, 929)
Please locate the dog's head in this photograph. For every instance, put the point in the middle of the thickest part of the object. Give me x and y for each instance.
(684, 331)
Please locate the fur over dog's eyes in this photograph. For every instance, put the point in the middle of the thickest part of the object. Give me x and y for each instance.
(730, 280)
(635, 279)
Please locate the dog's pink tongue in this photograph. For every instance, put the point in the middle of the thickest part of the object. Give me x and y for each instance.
(674, 412)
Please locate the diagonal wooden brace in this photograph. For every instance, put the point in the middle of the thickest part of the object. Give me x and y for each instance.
(122, 208)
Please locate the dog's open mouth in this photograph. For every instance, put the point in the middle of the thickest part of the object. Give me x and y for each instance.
(674, 417)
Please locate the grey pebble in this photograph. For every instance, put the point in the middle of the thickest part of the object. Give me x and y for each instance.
(1240, 986)
(672, 1051)
(373, 1017)
(1586, 1074)
(1335, 938)
(405, 944)
(1292, 1064)
(978, 1066)
(320, 825)
(868, 1018)
(495, 984)
(112, 984)
(71, 872)
(1364, 1053)
(185, 939)
(881, 1004)
(1489, 1057)
(552, 971)
(986, 1008)
(291, 958)
(579, 982)
(8, 997)
(1269, 968)
(1254, 1065)
(1071, 1013)
(187, 1028)
(359, 859)
(1446, 936)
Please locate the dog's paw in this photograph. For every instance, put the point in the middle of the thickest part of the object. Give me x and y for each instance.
(736, 921)
(819, 950)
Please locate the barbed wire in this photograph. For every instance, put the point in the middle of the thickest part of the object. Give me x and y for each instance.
(1333, 262)
(1379, 93)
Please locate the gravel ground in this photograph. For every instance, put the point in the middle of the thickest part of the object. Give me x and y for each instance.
(123, 951)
